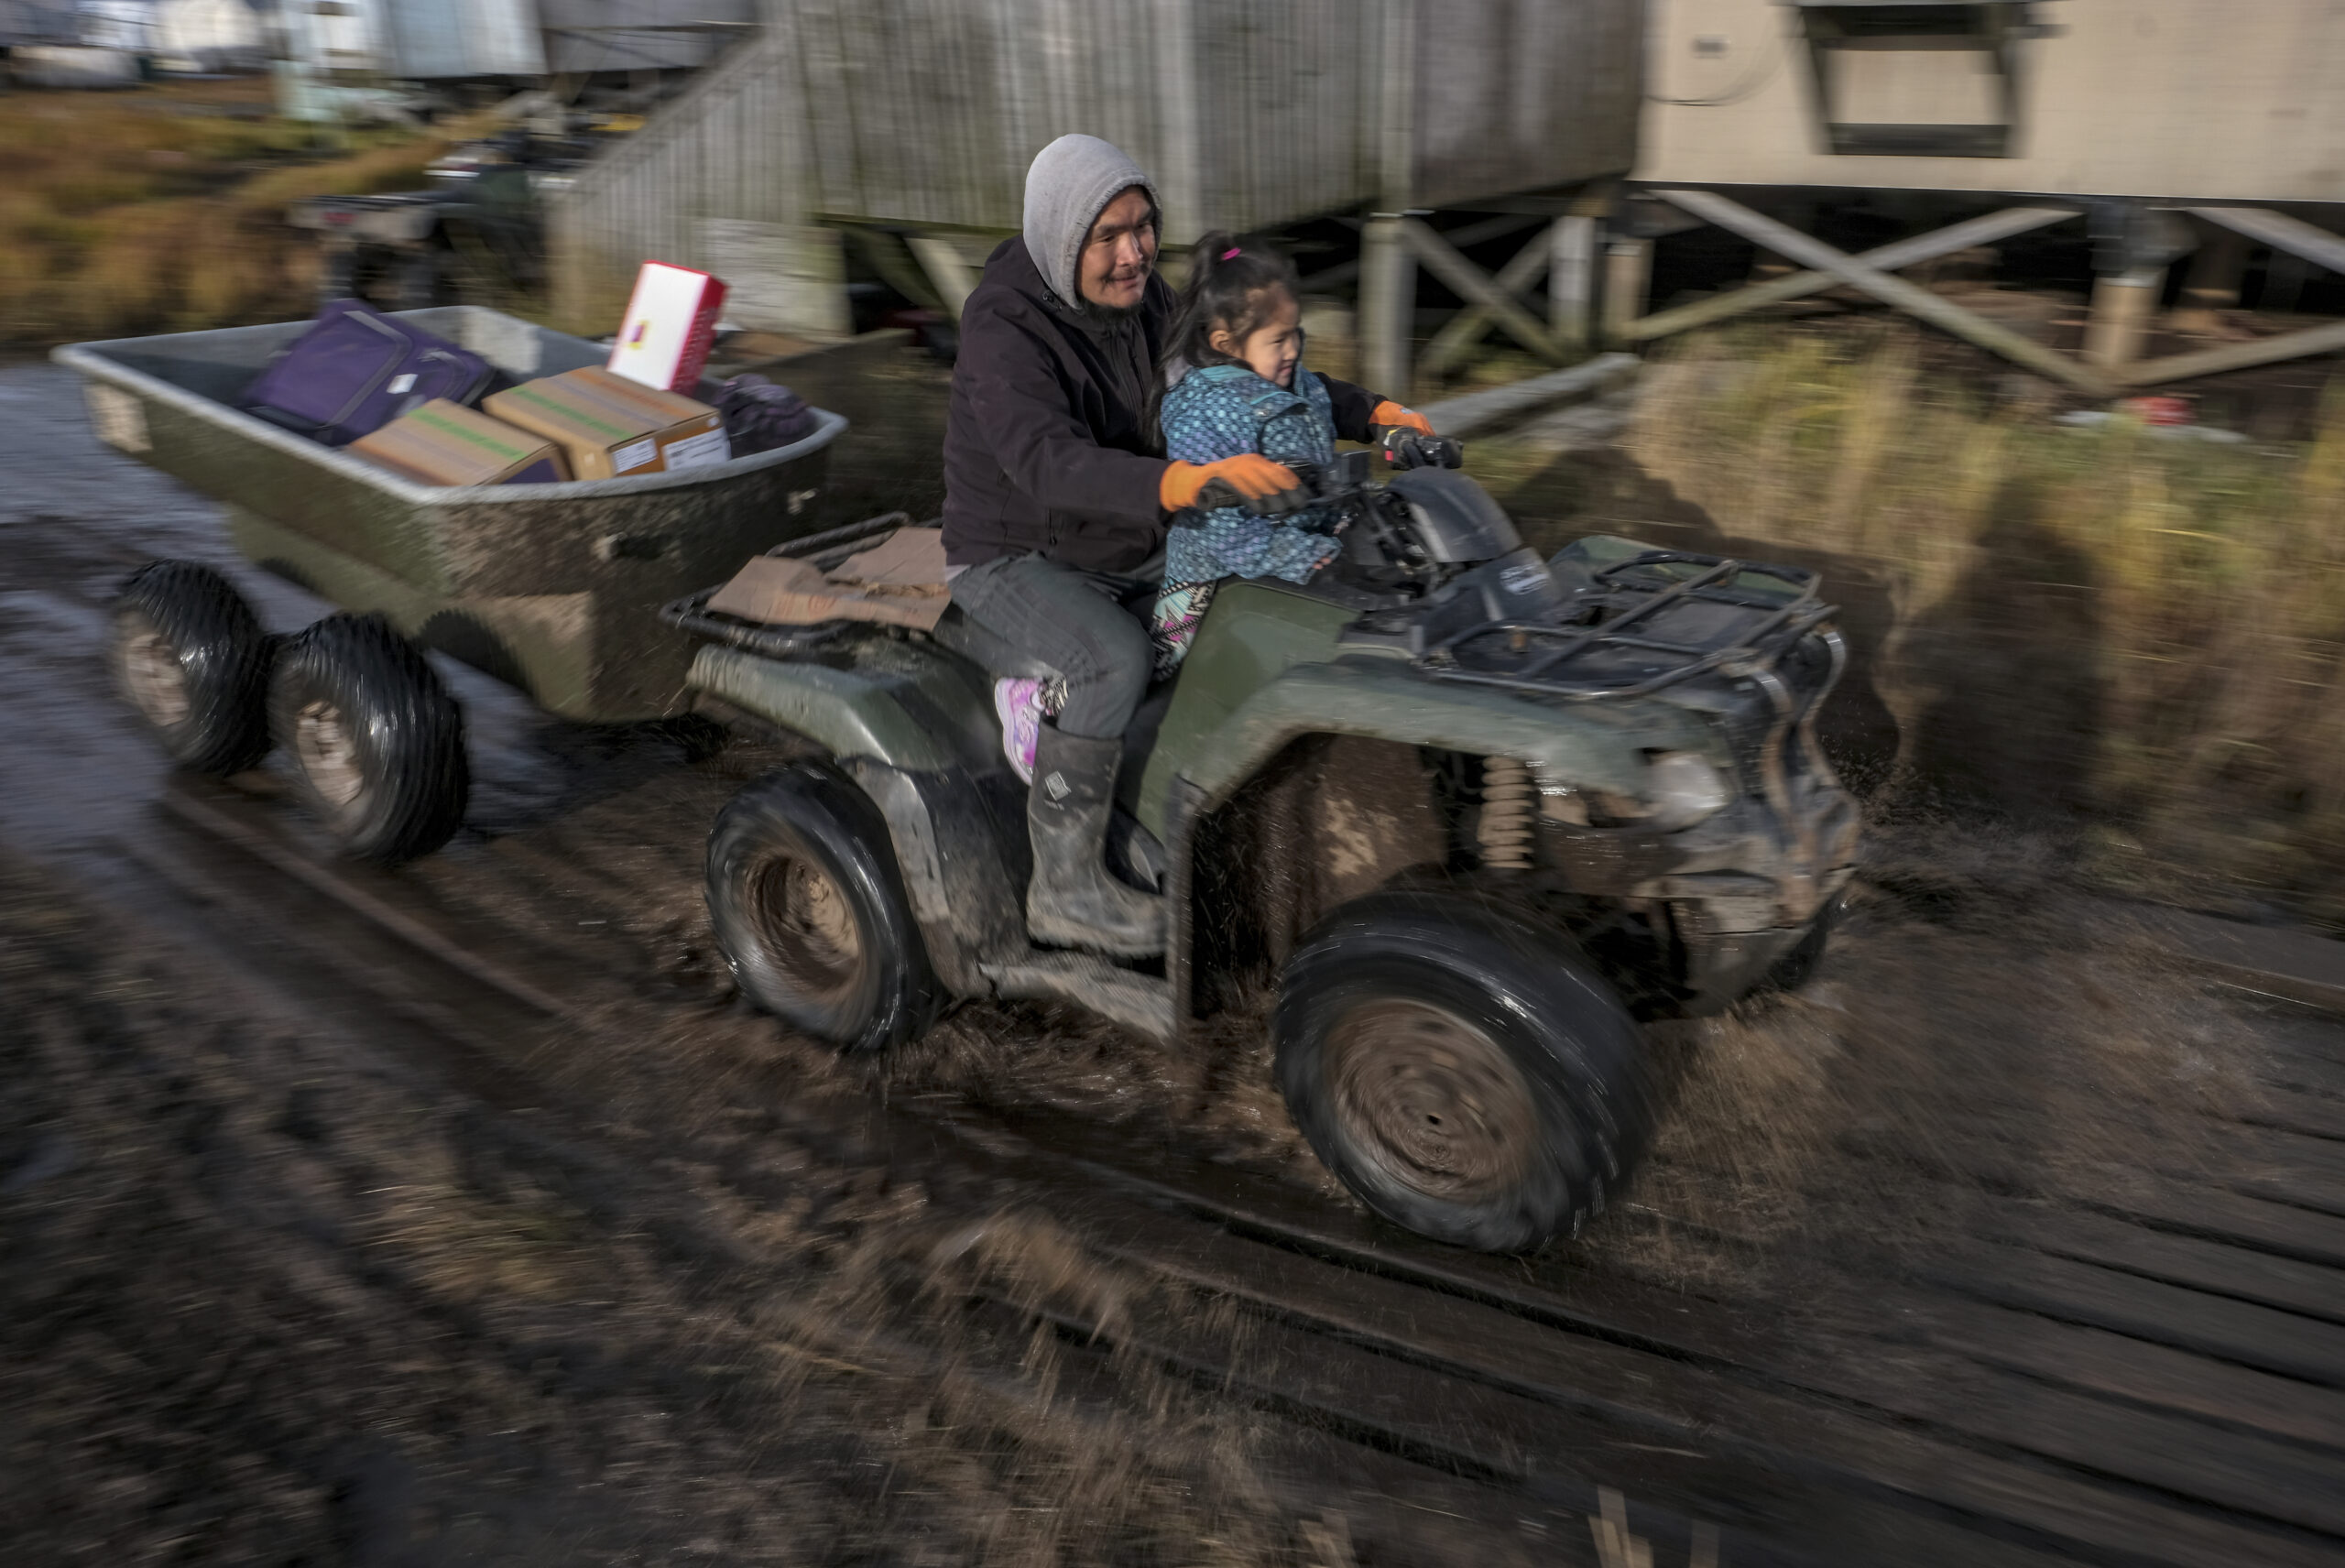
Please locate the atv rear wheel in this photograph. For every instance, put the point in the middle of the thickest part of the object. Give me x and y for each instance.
(189, 655)
(377, 743)
(1462, 1070)
(811, 913)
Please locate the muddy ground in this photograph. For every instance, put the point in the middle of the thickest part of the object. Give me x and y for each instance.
(275, 1287)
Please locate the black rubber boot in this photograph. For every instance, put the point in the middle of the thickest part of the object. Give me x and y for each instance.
(1074, 900)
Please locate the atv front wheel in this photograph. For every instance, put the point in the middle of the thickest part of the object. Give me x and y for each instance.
(377, 743)
(811, 914)
(189, 655)
(1796, 968)
(1463, 1070)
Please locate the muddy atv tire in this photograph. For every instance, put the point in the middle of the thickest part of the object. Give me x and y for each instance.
(811, 914)
(1463, 1070)
(189, 655)
(376, 742)
(1796, 968)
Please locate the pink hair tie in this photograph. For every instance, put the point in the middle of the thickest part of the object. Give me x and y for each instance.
(1231, 252)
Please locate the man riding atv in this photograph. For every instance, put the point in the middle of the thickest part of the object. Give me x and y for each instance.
(1057, 497)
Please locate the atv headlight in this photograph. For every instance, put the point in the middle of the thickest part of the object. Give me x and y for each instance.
(1683, 787)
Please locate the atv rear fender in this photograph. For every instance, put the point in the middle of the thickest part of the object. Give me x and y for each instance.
(939, 784)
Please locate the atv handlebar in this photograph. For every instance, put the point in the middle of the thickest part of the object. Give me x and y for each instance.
(1220, 492)
(1351, 473)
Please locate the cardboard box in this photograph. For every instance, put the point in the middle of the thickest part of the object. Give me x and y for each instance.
(446, 443)
(669, 323)
(690, 433)
(601, 437)
(900, 582)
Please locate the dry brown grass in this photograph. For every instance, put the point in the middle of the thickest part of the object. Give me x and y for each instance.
(2144, 632)
(162, 209)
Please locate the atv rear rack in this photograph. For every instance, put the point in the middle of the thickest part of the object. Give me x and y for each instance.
(1664, 616)
(691, 614)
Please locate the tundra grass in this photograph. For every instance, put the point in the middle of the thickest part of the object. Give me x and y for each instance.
(2141, 635)
(163, 209)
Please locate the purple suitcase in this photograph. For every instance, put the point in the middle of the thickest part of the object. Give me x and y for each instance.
(356, 370)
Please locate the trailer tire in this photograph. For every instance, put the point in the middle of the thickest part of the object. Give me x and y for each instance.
(1462, 1070)
(376, 742)
(811, 914)
(190, 656)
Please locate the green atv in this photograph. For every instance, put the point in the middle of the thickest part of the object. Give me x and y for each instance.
(1469, 814)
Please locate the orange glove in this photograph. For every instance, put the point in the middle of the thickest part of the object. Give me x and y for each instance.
(1249, 473)
(1391, 413)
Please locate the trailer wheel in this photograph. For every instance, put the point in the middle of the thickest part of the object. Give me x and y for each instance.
(811, 914)
(376, 742)
(189, 655)
(1461, 1069)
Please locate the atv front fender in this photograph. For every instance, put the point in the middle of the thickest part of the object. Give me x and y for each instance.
(1595, 745)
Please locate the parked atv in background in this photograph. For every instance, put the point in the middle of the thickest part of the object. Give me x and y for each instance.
(1469, 816)
(476, 231)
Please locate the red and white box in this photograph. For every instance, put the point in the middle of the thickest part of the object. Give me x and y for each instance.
(669, 323)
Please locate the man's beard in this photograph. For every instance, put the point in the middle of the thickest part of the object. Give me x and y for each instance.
(1109, 315)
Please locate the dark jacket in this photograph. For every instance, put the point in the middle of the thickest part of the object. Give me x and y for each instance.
(1046, 440)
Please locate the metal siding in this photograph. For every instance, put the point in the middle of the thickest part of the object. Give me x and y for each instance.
(594, 47)
(1287, 109)
(722, 151)
(1519, 94)
(39, 22)
(441, 38)
(1249, 113)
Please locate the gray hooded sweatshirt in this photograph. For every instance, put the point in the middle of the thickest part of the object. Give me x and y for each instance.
(1047, 445)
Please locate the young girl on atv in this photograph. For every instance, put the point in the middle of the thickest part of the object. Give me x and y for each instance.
(1235, 381)
(1232, 382)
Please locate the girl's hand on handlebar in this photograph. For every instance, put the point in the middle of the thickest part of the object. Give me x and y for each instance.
(1249, 480)
(1391, 413)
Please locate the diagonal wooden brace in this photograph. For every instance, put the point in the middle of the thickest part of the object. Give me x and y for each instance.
(1985, 229)
(2235, 356)
(1464, 330)
(2281, 232)
(1890, 289)
(1475, 286)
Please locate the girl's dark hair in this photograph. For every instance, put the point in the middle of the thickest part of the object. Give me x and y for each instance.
(1230, 288)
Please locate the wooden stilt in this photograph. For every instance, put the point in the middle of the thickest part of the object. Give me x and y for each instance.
(1627, 274)
(1571, 282)
(1388, 291)
(947, 273)
(2122, 305)
(2212, 283)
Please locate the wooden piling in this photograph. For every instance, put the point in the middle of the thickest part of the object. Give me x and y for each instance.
(2122, 305)
(1571, 282)
(1627, 274)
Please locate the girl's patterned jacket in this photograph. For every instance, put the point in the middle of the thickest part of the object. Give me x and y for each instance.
(1220, 410)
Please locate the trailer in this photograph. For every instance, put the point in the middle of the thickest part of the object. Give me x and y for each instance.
(555, 589)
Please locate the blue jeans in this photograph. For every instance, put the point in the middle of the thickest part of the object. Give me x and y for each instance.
(1088, 625)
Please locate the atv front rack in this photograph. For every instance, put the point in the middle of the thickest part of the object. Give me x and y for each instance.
(1660, 618)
